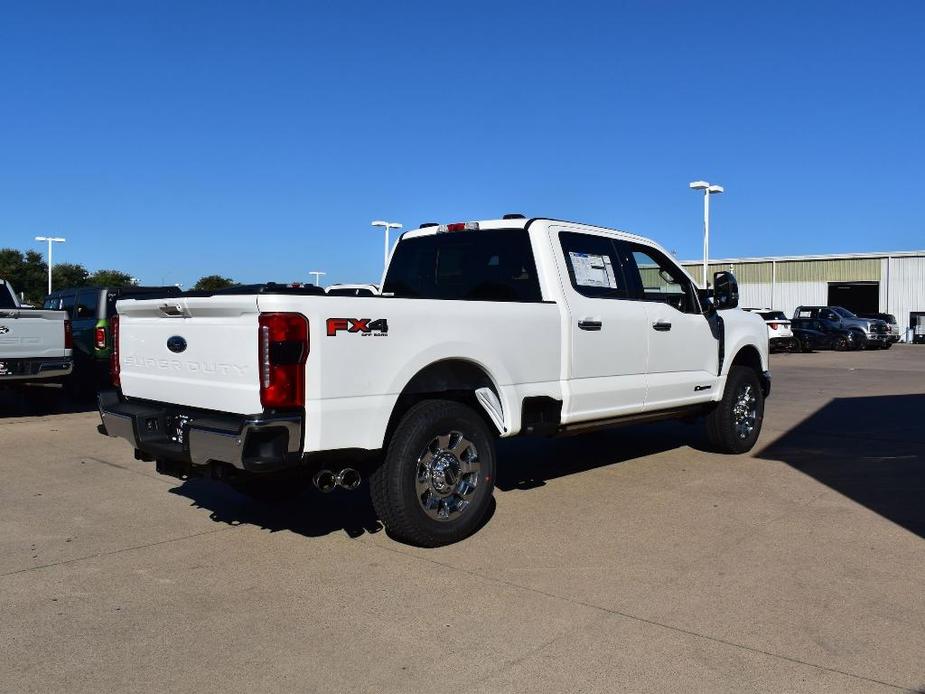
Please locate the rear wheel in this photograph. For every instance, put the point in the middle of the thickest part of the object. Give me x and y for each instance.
(886, 345)
(435, 485)
(734, 424)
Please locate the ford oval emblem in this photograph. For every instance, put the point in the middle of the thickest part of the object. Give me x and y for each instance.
(176, 344)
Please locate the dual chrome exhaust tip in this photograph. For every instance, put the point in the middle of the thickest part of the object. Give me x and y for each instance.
(327, 481)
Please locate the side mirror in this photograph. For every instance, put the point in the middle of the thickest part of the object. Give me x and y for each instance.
(725, 290)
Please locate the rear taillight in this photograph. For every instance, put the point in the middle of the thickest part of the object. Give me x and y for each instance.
(101, 338)
(774, 326)
(114, 368)
(68, 335)
(282, 349)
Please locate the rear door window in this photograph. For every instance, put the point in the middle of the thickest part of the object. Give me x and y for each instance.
(490, 265)
(86, 304)
(593, 264)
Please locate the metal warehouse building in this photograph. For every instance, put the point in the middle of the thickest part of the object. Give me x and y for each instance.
(861, 282)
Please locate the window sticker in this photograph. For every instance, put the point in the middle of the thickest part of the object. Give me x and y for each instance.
(592, 270)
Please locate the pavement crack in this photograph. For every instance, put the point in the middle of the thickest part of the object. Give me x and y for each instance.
(641, 619)
(117, 551)
(159, 478)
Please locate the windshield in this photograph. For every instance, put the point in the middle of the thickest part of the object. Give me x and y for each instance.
(773, 315)
(843, 312)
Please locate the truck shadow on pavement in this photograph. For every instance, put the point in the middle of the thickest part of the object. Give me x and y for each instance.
(869, 449)
(42, 400)
(527, 463)
(310, 513)
(522, 464)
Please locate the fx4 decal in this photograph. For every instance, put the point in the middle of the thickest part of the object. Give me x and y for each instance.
(364, 326)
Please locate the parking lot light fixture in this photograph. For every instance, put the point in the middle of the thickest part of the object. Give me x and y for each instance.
(317, 274)
(50, 240)
(386, 226)
(708, 190)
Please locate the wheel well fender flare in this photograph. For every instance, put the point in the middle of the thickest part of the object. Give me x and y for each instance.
(462, 380)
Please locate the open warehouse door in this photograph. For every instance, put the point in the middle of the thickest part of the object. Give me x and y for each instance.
(858, 297)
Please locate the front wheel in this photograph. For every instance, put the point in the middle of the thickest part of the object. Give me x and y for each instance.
(435, 485)
(734, 424)
(842, 344)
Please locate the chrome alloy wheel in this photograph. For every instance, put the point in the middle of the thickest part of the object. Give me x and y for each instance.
(447, 475)
(745, 411)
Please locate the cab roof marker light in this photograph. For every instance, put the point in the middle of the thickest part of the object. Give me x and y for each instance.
(458, 226)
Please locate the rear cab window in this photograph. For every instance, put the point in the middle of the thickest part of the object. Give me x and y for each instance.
(6, 297)
(68, 299)
(481, 265)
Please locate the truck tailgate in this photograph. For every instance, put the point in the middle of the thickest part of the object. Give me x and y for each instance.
(193, 351)
(30, 333)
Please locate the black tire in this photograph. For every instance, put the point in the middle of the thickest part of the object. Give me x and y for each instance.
(842, 344)
(860, 340)
(804, 346)
(723, 430)
(394, 485)
(886, 345)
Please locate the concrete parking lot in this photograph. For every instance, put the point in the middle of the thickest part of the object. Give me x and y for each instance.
(627, 560)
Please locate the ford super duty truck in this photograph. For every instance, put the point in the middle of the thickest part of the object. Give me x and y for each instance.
(35, 345)
(481, 330)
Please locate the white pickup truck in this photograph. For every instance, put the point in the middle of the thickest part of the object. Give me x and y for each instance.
(35, 345)
(482, 329)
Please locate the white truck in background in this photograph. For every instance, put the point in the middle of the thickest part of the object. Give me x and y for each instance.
(35, 345)
(483, 329)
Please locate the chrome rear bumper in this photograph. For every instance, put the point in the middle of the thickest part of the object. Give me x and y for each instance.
(260, 442)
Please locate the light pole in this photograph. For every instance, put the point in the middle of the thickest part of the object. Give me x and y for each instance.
(708, 190)
(386, 226)
(51, 240)
(317, 275)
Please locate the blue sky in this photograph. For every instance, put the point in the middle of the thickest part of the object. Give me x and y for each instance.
(258, 140)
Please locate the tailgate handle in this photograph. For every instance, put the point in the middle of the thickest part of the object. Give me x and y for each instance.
(172, 310)
(662, 325)
(593, 325)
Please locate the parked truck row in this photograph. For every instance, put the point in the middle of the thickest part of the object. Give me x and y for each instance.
(35, 345)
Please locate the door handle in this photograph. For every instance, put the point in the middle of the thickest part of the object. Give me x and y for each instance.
(661, 325)
(590, 324)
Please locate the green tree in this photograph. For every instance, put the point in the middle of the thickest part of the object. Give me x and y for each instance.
(27, 272)
(211, 283)
(67, 275)
(109, 278)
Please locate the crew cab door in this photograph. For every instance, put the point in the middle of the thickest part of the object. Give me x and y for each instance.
(606, 334)
(683, 350)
